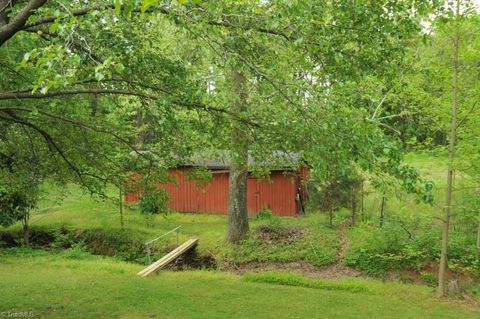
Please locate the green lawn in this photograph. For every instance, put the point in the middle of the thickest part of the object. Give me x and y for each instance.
(77, 285)
(78, 211)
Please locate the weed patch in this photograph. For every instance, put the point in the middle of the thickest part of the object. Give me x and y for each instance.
(287, 243)
(280, 234)
(288, 279)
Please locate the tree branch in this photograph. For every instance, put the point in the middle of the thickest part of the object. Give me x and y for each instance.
(76, 13)
(29, 95)
(18, 22)
(24, 94)
(73, 122)
(165, 11)
(12, 117)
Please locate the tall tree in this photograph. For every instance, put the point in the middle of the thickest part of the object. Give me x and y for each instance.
(237, 196)
(304, 64)
(451, 154)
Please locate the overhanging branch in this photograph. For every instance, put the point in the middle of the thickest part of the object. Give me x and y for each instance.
(165, 11)
(12, 117)
(30, 95)
(18, 22)
(24, 94)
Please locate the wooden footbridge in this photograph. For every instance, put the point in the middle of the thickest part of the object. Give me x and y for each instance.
(168, 258)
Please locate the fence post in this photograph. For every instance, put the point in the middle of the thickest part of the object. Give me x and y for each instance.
(148, 254)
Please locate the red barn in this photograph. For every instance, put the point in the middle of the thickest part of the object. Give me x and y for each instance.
(283, 192)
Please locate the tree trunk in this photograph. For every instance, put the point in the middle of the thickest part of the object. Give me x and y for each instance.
(451, 155)
(94, 105)
(354, 206)
(478, 242)
(330, 217)
(4, 4)
(120, 201)
(382, 211)
(237, 196)
(363, 199)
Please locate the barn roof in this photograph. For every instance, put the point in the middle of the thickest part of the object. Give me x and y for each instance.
(279, 160)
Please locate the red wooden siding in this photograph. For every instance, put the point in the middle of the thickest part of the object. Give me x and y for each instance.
(277, 194)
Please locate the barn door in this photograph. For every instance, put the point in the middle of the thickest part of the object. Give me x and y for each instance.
(258, 209)
(253, 194)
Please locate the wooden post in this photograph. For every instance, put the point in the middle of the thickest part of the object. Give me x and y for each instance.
(148, 254)
(330, 216)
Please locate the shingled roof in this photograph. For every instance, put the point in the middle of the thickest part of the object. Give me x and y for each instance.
(280, 160)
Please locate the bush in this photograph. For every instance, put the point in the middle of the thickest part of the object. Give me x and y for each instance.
(153, 202)
(377, 250)
(15, 206)
(429, 278)
(95, 241)
(77, 252)
(111, 243)
(265, 214)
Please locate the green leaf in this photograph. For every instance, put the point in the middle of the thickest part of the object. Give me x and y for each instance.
(128, 8)
(54, 26)
(146, 4)
(119, 67)
(118, 6)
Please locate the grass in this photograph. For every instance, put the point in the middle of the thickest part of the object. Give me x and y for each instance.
(76, 285)
(289, 279)
(77, 211)
(318, 247)
(73, 283)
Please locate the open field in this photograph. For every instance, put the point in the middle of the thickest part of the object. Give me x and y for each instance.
(73, 283)
(78, 285)
(77, 211)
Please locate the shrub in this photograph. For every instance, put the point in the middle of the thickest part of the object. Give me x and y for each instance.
(77, 252)
(265, 214)
(429, 278)
(377, 250)
(111, 243)
(153, 202)
(15, 206)
(95, 241)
